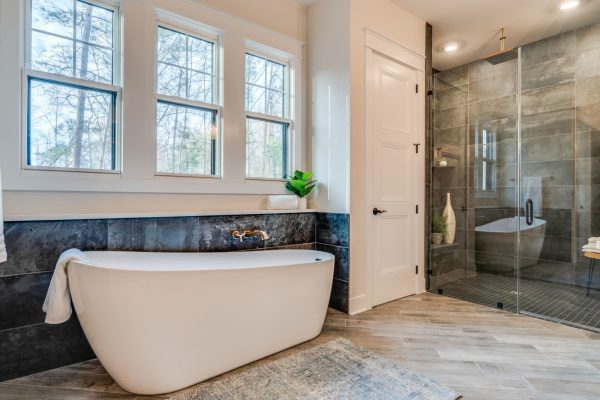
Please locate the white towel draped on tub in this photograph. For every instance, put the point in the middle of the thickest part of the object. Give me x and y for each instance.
(57, 304)
(3, 255)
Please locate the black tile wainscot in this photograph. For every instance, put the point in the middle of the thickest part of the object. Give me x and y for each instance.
(28, 345)
(333, 237)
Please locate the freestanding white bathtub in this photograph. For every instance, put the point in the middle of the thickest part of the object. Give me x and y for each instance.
(159, 322)
(498, 238)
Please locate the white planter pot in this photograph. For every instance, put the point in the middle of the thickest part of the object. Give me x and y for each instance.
(302, 203)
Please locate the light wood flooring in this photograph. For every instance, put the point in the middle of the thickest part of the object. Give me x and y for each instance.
(482, 352)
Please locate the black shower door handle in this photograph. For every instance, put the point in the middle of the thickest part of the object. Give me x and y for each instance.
(529, 212)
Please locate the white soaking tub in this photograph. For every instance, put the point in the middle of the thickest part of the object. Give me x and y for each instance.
(159, 322)
(498, 238)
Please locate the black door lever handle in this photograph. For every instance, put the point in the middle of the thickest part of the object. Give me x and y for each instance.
(377, 211)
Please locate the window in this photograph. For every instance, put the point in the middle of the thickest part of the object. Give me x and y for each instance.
(177, 112)
(267, 118)
(72, 98)
(187, 110)
(485, 156)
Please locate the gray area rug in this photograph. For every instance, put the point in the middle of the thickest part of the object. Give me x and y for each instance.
(338, 369)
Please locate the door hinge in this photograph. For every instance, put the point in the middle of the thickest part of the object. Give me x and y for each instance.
(417, 209)
(417, 269)
(417, 88)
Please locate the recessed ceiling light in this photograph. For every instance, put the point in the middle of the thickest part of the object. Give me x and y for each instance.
(450, 47)
(567, 5)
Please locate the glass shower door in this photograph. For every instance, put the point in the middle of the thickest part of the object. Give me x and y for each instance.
(559, 176)
(475, 160)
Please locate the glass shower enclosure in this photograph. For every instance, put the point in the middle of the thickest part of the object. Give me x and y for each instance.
(516, 144)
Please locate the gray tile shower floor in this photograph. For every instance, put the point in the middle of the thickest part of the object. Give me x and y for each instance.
(543, 299)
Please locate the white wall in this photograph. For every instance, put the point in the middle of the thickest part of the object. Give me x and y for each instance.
(328, 86)
(284, 17)
(392, 22)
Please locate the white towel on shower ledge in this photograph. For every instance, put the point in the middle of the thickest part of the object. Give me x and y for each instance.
(57, 304)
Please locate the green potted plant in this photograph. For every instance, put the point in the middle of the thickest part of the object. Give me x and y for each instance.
(301, 184)
(438, 228)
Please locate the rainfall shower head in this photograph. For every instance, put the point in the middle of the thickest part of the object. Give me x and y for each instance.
(502, 55)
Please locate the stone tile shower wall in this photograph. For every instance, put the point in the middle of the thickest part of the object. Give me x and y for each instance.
(560, 106)
(27, 345)
(561, 143)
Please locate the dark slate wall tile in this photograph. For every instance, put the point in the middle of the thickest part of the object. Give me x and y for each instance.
(154, 234)
(482, 69)
(556, 122)
(560, 147)
(552, 48)
(588, 144)
(452, 77)
(553, 98)
(339, 296)
(41, 347)
(555, 248)
(333, 229)
(35, 246)
(501, 85)
(588, 197)
(215, 232)
(451, 118)
(552, 172)
(302, 246)
(451, 97)
(286, 229)
(561, 70)
(450, 137)
(342, 262)
(21, 299)
(558, 222)
(588, 171)
(489, 110)
(588, 38)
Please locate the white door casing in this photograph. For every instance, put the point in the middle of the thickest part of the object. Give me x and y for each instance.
(392, 113)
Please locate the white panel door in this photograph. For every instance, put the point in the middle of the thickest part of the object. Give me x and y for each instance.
(392, 112)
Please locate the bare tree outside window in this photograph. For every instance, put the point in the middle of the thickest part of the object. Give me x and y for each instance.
(186, 130)
(71, 125)
(266, 132)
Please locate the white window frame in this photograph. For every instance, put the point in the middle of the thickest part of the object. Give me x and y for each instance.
(216, 105)
(136, 102)
(114, 88)
(258, 50)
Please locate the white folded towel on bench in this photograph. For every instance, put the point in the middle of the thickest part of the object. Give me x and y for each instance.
(590, 248)
(57, 304)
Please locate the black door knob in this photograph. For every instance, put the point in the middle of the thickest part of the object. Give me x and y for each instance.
(377, 211)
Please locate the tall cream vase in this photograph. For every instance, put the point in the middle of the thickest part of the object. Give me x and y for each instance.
(450, 219)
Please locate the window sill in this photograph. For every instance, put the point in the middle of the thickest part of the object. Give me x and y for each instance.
(60, 217)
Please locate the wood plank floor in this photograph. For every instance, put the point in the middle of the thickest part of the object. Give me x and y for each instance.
(482, 352)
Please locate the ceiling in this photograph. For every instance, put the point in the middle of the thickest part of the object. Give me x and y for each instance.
(475, 24)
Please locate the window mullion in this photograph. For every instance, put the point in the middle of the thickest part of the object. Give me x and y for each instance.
(187, 66)
(73, 38)
(48, 76)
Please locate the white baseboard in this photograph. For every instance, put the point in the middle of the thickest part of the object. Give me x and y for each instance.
(358, 304)
(421, 285)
